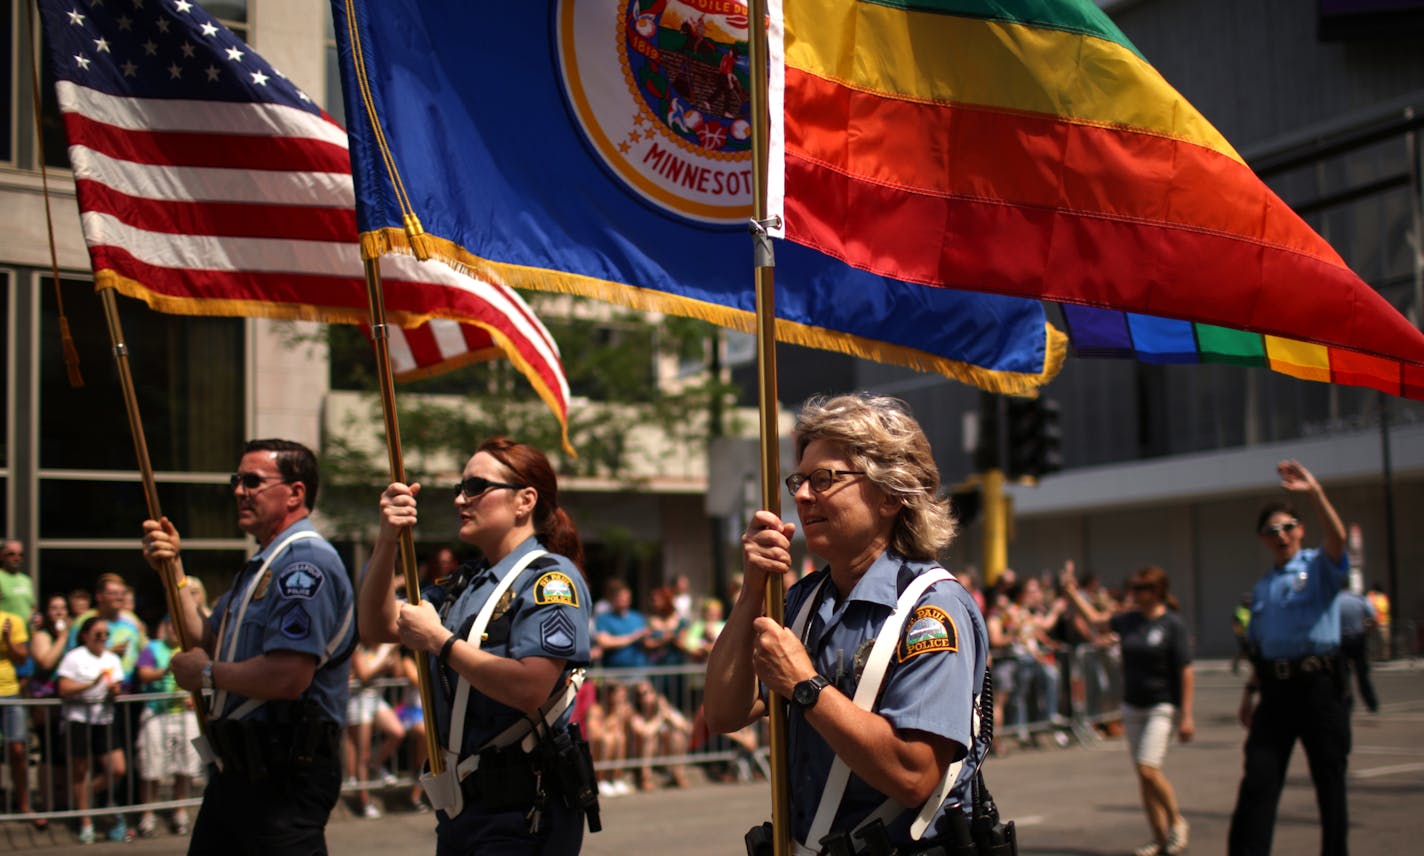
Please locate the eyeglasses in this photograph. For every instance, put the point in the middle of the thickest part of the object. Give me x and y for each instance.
(821, 480)
(250, 481)
(475, 487)
(1287, 527)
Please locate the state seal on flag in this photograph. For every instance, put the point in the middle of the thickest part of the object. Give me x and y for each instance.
(661, 91)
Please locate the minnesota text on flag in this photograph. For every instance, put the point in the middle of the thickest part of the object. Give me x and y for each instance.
(1025, 147)
(603, 149)
(210, 185)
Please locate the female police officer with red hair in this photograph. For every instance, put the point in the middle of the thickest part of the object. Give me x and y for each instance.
(506, 635)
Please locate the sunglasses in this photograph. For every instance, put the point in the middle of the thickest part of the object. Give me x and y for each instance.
(250, 481)
(1142, 587)
(475, 487)
(103, 635)
(1287, 527)
(820, 480)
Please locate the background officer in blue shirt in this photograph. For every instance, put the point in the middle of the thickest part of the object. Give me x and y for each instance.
(867, 494)
(275, 655)
(1294, 635)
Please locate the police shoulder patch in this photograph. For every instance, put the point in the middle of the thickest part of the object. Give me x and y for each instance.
(929, 629)
(295, 623)
(555, 587)
(300, 580)
(557, 634)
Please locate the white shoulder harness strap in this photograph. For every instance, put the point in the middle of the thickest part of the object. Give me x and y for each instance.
(477, 630)
(444, 790)
(866, 692)
(225, 647)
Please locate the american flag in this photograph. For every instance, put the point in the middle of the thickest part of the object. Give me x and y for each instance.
(210, 184)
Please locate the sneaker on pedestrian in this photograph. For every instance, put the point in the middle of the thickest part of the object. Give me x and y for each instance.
(385, 777)
(622, 787)
(605, 789)
(120, 830)
(1177, 838)
(1151, 848)
(370, 812)
(86, 833)
(147, 825)
(180, 822)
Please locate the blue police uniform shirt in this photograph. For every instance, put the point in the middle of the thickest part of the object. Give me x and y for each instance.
(305, 602)
(547, 616)
(1353, 612)
(933, 677)
(1294, 612)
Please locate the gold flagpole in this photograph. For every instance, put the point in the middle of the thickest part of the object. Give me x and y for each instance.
(168, 571)
(765, 265)
(407, 537)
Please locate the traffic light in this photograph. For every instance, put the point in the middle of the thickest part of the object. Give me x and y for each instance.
(1035, 438)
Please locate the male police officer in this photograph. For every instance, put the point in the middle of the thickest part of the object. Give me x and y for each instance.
(1294, 634)
(274, 656)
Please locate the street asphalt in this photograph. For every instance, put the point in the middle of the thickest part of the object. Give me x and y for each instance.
(1076, 801)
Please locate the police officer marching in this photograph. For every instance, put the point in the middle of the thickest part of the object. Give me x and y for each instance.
(274, 656)
(884, 659)
(508, 637)
(1294, 639)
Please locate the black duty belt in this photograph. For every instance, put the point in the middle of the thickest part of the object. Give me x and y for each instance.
(1286, 670)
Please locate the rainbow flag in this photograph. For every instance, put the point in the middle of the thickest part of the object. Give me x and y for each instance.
(1025, 147)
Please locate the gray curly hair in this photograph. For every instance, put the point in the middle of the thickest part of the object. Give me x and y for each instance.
(879, 436)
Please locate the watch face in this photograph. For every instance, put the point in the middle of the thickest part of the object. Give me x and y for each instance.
(804, 693)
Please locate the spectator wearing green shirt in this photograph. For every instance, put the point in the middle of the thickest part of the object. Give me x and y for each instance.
(166, 731)
(17, 590)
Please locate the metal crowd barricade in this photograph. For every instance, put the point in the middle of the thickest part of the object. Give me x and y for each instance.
(159, 741)
(1089, 694)
(54, 756)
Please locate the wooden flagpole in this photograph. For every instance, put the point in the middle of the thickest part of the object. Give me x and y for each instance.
(168, 570)
(765, 266)
(397, 463)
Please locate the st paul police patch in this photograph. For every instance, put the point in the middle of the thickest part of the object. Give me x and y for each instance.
(295, 623)
(300, 580)
(557, 634)
(929, 629)
(555, 587)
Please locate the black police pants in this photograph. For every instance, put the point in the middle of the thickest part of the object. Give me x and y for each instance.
(284, 814)
(1354, 650)
(477, 832)
(1309, 707)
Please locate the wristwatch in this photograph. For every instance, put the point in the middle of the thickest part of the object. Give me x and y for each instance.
(804, 694)
(208, 677)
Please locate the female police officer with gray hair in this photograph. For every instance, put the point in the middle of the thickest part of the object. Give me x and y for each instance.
(887, 736)
(508, 634)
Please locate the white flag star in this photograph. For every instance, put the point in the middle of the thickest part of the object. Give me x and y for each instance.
(162, 24)
(130, 70)
(259, 78)
(101, 45)
(82, 61)
(187, 49)
(138, 4)
(174, 72)
(150, 47)
(302, 95)
(234, 54)
(183, 5)
(125, 23)
(209, 30)
(212, 72)
(76, 19)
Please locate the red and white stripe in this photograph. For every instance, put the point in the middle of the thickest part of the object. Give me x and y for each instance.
(218, 208)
